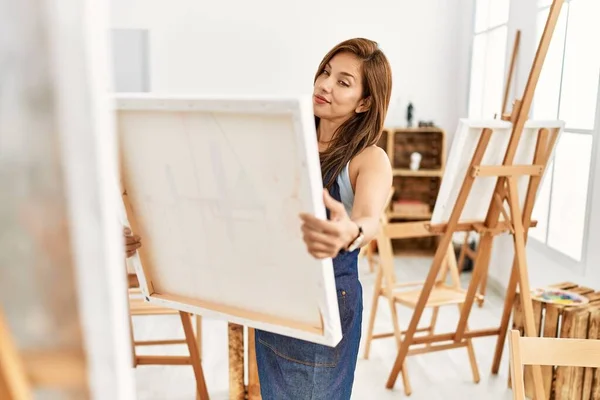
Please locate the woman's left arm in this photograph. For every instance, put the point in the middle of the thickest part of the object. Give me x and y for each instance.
(372, 188)
(325, 238)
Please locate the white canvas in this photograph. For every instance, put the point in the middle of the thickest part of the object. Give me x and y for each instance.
(217, 186)
(463, 147)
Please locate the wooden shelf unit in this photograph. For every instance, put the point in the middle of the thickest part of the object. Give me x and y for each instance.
(418, 190)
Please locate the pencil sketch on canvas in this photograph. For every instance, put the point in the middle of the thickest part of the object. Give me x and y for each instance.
(215, 188)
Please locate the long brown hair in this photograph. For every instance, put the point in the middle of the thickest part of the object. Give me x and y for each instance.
(362, 129)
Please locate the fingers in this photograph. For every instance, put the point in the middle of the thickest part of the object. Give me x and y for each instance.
(320, 244)
(335, 207)
(320, 255)
(132, 242)
(132, 246)
(320, 225)
(132, 239)
(318, 240)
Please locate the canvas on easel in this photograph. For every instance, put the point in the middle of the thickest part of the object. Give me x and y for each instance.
(458, 166)
(214, 186)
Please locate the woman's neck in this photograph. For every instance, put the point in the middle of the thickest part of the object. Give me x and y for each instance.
(325, 133)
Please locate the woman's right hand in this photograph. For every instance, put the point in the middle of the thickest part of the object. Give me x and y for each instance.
(132, 242)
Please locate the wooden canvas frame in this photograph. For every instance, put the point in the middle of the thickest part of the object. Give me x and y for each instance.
(325, 326)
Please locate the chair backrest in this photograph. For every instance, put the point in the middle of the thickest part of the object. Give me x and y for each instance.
(384, 215)
(384, 246)
(548, 351)
(404, 230)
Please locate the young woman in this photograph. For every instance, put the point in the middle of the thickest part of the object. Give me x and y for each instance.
(352, 91)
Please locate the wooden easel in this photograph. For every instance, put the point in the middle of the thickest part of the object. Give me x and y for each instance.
(517, 221)
(238, 390)
(465, 250)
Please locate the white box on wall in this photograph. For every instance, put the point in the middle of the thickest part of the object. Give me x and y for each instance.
(130, 50)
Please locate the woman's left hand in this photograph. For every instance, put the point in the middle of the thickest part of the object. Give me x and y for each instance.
(325, 238)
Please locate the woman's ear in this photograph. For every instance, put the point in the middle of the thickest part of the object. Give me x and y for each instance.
(363, 105)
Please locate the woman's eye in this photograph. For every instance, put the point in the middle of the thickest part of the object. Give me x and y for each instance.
(326, 72)
(344, 83)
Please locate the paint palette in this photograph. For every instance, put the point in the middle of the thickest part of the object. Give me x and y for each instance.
(558, 296)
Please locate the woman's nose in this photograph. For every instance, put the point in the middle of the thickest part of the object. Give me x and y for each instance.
(326, 85)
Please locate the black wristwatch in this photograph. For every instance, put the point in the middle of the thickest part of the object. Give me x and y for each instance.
(358, 241)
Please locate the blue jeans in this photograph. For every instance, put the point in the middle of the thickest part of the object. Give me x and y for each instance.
(291, 368)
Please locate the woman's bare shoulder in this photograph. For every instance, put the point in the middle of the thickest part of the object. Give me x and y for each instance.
(372, 155)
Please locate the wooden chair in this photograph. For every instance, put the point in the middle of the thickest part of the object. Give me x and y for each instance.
(407, 294)
(548, 352)
(368, 251)
(139, 307)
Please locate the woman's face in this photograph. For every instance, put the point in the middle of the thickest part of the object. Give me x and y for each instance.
(338, 89)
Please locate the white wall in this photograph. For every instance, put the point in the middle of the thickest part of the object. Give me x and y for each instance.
(274, 46)
(545, 266)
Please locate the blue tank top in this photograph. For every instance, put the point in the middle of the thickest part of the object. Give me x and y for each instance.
(346, 192)
(345, 264)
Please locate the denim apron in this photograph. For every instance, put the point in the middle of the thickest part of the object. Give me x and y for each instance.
(295, 369)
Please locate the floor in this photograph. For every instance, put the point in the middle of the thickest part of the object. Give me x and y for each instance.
(441, 375)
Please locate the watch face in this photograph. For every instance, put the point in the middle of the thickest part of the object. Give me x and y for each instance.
(357, 242)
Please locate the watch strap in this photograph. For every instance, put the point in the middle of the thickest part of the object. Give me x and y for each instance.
(357, 241)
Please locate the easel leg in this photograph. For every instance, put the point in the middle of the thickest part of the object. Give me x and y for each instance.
(509, 299)
(237, 390)
(481, 262)
(519, 240)
(253, 381)
(455, 276)
(190, 338)
(472, 358)
(398, 336)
